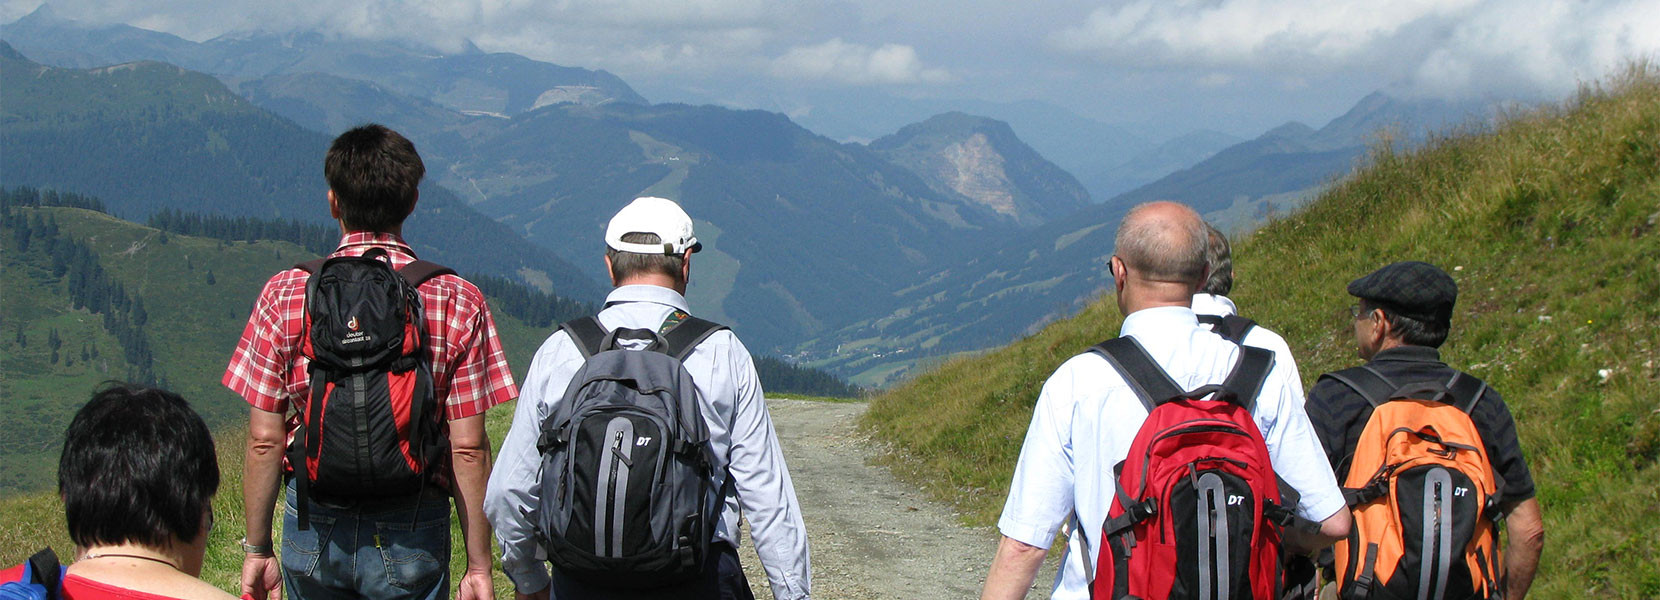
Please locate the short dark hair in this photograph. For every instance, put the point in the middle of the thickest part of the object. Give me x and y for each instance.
(1220, 258)
(629, 264)
(138, 466)
(375, 174)
(1411, 331)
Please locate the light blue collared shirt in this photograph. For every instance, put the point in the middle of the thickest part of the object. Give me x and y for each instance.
(740, 430)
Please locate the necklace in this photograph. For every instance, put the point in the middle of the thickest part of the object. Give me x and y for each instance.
(137, 556)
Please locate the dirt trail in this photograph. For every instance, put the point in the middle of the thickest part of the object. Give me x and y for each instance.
(872, 536)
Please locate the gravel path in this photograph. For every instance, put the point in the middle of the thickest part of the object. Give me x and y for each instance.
(872, 536)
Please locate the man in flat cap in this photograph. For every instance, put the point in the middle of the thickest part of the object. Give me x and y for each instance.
(1403, 316)
(649, 246)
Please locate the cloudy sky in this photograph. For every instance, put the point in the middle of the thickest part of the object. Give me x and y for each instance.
(1159, 66)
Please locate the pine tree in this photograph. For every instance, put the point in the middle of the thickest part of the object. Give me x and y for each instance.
(22, 339)
(210, 277)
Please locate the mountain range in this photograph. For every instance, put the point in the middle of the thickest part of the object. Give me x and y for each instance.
(948, 235)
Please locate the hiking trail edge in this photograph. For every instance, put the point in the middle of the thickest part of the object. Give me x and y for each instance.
(872, 535)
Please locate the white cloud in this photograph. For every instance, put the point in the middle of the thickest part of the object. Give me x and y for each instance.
(1439, 47)
(857, 64)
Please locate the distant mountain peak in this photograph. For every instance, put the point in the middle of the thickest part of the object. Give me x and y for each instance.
(982, 160)
(44, 14)
(1292, 130)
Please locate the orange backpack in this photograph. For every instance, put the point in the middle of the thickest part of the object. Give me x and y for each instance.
(1423, 492)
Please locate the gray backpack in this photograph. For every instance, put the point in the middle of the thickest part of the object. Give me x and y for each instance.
(628, 499)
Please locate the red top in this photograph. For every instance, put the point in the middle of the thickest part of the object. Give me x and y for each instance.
(76, 587)
(469, 369)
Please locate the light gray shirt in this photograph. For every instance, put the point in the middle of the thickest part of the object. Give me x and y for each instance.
(740, 431)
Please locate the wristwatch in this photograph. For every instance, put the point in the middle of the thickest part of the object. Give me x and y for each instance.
(248, 548)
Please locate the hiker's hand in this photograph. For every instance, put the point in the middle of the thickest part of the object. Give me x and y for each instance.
(475, 585)
(261, 577)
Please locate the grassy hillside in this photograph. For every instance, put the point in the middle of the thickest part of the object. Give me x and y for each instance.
(170, 273)
(1549, 226)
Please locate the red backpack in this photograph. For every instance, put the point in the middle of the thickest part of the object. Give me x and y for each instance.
(1198, 509)
(372, 427)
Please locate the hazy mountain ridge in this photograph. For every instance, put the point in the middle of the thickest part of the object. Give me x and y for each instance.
(984, 161)
(147, 136)
(472, 81)
(1052, 271)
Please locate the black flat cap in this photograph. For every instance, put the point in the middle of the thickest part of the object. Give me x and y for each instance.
(1416, 290)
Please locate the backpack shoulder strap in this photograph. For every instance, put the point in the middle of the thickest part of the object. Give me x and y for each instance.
(311, 266)
(588, 334)
(1366, 381)
(418, 271)
(1236, 327)
(1248, 375)
(45, 570)
(1151, 384)
(1466, 390)
(684, 337)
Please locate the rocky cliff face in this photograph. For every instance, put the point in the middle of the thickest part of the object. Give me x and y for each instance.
(982, 164)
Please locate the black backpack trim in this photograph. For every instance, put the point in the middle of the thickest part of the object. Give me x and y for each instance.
(45, 570)
(1233, 328)
(1154, 387)
(1463, 390)
(679, 341)
(416, 272)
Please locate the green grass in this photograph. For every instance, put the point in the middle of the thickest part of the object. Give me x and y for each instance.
(202, 321)
(1549, 225)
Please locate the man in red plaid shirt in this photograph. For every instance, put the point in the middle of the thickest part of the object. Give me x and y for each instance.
(370, 548)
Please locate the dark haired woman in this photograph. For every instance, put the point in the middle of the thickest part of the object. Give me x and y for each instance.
(137, 478)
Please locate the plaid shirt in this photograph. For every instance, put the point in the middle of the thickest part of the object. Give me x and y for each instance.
(469, 369)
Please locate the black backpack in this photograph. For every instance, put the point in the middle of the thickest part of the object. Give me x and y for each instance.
(1233, 328)
(372, 428)
(627, 499)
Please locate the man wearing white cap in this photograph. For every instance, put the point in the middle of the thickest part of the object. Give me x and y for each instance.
(650, 244)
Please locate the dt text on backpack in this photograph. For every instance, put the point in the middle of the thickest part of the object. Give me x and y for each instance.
(1198, 510)
(1423, 493)
(627, 492)
(372, 427)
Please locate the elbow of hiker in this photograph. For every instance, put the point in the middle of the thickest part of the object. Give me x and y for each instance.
(267, 434)
(1336, 527)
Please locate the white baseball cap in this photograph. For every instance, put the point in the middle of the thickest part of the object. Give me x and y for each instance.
(652, 215)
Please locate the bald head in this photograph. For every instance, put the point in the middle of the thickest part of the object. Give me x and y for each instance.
(1164, 242)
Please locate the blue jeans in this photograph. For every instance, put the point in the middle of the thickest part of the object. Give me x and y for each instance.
(397, 548)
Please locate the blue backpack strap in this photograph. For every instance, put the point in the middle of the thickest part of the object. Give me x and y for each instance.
(1151, 384)
(1367, 382)
(588, 334)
